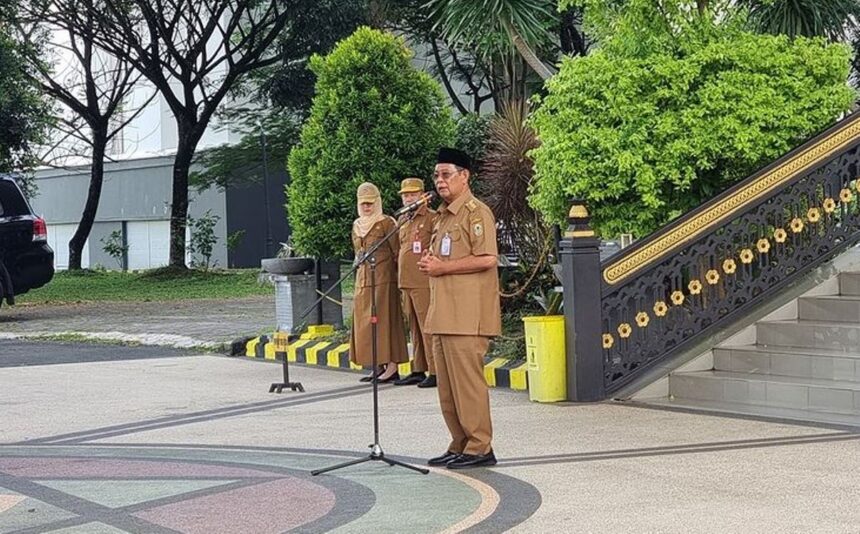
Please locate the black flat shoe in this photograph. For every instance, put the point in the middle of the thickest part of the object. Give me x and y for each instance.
(371, 376)
(411, 379)
(444, 459)
(468, 461)
(429, 382)
(392, 378)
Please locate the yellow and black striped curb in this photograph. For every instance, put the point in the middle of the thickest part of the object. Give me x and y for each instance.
(498, 372)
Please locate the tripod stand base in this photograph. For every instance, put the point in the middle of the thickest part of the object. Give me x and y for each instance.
(376, 454)
(278, 387)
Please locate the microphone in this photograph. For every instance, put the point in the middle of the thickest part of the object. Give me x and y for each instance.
(426, 198)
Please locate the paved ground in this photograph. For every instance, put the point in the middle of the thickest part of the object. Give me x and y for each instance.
(17, 354)
(211, 321)
(196, 444)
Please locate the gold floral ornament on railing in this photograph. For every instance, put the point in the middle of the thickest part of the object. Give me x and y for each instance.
(747, 256)
(624, 330)
(642, 319)
(695, 287)
(797, 225)
(608, 341)
(829, 205)
(763, 246)
(729, 266)
(813, 215)
(660, 308)
(846, 196)
(780, 235)
(713, 277)
(677, 298)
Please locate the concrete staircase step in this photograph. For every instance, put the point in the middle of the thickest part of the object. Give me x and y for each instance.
(789, 361)
(735, 408)
(805, 394)
(842, 309)
(843, 336)
(849, 283)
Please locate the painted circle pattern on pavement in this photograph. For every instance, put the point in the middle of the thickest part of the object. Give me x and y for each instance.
(199, 489)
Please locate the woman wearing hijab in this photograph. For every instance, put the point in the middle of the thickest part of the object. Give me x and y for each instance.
(371, 227)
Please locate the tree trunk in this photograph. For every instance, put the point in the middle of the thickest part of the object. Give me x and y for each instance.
(179, 208)
(97, 170)
(572, 41)
(529, 55)
(443, 75)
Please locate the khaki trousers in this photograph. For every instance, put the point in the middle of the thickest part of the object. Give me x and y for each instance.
(463, 392)
(416, 302)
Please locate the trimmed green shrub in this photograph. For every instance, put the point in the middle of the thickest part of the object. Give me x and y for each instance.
(374, 118)
(646, 129)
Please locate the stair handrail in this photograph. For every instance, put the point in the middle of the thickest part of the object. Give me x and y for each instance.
(703, 270)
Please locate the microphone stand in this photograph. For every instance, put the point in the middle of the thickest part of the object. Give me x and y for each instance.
(376, 452)
(409, 216)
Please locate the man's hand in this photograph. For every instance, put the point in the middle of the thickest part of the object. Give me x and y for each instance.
(431, 265)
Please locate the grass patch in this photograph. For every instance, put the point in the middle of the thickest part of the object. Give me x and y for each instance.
(82, 339)
(154, 285)
(72, 337)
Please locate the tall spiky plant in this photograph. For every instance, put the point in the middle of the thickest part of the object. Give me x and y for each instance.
(524, 23)
(834, 19)
(506, 177)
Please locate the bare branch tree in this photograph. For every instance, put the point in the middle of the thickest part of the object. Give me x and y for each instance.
(193, 52)
(92, 88)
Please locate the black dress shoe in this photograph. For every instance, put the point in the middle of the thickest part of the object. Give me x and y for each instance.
(467, 461)
(429, 382)
(444, 459)
(411, 379)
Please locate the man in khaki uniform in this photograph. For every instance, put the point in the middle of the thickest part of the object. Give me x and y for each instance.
(464, 311)
(415, 285)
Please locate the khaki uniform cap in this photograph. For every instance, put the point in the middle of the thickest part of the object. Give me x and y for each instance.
(412, 185)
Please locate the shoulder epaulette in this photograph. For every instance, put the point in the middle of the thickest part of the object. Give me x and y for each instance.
(472, 205)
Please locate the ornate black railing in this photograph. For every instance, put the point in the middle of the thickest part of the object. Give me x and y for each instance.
(710, 267)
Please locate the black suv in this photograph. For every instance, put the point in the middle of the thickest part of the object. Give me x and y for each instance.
(26, 260)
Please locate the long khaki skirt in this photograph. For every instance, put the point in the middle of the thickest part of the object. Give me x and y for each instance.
(391, 335)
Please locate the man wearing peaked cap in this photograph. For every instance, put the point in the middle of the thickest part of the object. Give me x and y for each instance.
(464, 310)
(415, 285)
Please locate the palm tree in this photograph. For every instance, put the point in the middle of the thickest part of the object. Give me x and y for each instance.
(524, 23)
(833, 19)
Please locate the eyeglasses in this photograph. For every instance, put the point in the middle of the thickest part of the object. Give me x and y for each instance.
(445, 176)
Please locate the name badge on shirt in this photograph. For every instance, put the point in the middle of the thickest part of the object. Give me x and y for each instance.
(445, 249)
(416, 247)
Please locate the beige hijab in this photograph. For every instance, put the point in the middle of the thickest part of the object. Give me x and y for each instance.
(367, 192)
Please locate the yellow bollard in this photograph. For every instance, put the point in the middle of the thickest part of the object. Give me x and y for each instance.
(545, 354)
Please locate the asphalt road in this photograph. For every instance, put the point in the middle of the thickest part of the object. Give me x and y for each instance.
(19, 353)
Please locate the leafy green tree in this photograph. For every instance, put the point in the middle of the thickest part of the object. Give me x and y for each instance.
(525, 23)
(374, 118)
(279, 95)
(470, 43)
(24, 114)
(646, 129)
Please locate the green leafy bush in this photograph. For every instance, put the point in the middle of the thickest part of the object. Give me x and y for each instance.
(114, 246)
(645, 129)
(374, 118)
(203, 239)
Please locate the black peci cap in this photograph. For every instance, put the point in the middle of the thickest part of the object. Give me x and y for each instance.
(455, 157)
